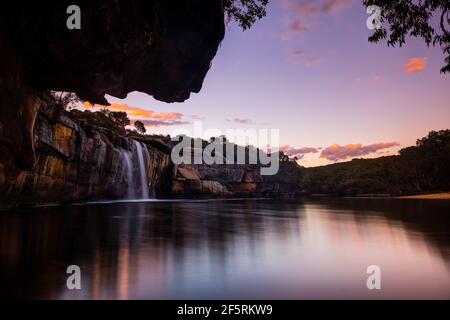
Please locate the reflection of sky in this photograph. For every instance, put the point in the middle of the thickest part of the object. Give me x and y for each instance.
(321, 255)
(313, 252)
(228, 249)
(320, 87)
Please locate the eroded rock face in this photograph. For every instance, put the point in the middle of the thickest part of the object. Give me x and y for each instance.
(75, 163)
(226, 181)
(160, 47)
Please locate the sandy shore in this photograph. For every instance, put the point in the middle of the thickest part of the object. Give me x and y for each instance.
(436, 196)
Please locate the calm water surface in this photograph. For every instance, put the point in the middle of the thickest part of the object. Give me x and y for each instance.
(228, 249)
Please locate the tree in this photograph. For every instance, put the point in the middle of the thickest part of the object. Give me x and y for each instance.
(119, 118)
(65, 100)
(245, 12)
(402, 18)
(139, 125)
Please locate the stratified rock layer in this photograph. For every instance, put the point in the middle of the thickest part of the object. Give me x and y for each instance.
(76, 163)
(226, 181)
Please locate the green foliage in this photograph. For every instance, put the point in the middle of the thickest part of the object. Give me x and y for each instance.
(418, 169)
(140, 127)
(289, 172)
(119, 118)
(65, 100)
(402, 18)
(356, 177)
(245, 12)
(99, 119)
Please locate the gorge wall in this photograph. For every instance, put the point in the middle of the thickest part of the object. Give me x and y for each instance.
(227, 181)
(77, 161)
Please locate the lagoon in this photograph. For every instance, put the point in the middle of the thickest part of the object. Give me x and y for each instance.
(237, 249)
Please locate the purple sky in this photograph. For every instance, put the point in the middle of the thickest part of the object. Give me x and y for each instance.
(309, 71)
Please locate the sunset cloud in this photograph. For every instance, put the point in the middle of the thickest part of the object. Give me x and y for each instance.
(316, 8)
(298, 26)
(158, 123)
(299, 55)
(415, 65)
(150, 118)
(245, 121)
(336, 152)
(302, 10)
(376, 78)
(312, 61)
(335, 6)
(296, 54)
(301, 15)
(297, 152)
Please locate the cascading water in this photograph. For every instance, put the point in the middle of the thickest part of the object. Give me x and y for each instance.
(135, 164)
(142, 169)
(129, 174)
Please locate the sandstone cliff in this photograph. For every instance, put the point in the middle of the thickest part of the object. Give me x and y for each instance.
(226, 181)
(75, 162)
(79, 161)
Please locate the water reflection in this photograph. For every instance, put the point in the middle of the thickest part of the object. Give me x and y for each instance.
(228, 249)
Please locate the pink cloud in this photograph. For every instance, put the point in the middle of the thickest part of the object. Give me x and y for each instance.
(300, 11)
(312, 61)
(245, 121)
(337, 152)
(297, 152)
(195, 118)
(307, 7)
(335, 6)
(415, 65)
(297, 26)
(150, 118)
(160, 123)
(376, 78)
(296, 54)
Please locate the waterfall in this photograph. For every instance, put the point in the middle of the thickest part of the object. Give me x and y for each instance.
(142, 169)
(135, 165)
(129, 174)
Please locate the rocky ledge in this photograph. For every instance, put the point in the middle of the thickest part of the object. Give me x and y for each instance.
(226, 181)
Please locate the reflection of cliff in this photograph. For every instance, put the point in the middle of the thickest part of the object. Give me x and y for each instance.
(426, 217)
(168, 250)
(124, 250)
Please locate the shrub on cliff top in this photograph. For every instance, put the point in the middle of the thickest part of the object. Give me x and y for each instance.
(97, 119)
